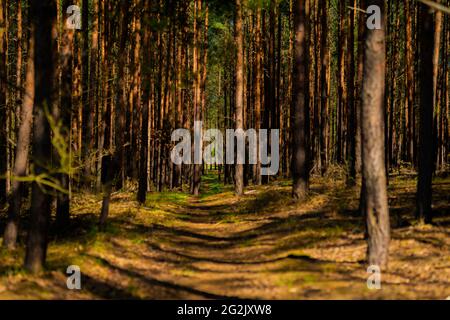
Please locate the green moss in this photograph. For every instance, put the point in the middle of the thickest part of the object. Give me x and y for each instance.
(173, 197)
(309, 278)
(211, 186)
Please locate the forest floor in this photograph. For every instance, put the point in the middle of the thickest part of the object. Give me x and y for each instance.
(259, 246)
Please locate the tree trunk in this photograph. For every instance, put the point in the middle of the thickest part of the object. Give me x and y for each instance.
(351, 133)
(196, 168)
(372, 124)
(93, 97)
(300, 109)
(3, 110)
(358, 102)
(146, 99)
(43, 19)
(409, 108)
(87, 113)
(424, 189)
(19, 54)
(436, 52)
(21, 160)
(258, 88)
(133, 165)
(66, 60)
(342, 89)
(324, 92)
(239, 97)
(115, 168)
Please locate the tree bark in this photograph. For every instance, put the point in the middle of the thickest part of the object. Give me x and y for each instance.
(372, 124)
(351, 133)
(424, 188)
(258, 88)
(87, 112)
(410, 85)
(300, 109)
(196, 168)
(324, 92)
(21, 159)
(66, 60)
(43, 19)
(146, 100)
(239, 97)
(115, 168)
(3, 110)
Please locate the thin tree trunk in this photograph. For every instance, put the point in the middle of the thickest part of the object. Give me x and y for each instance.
(324, 84)
(93, 98)
(19, 54)
(239, 97)
(21, 159)
(3, 102)
(424, 189)
(436, 52)
(196, 168)
(351, 133)
(136, 96)
(115, 168)
(87, 112)
(146, 99)
(258, 88)
(409, 116)
(300, 108)
(341, 74)
(358, 102)
(66, 60)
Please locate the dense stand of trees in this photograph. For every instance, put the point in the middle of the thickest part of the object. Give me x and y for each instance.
(93, 109)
